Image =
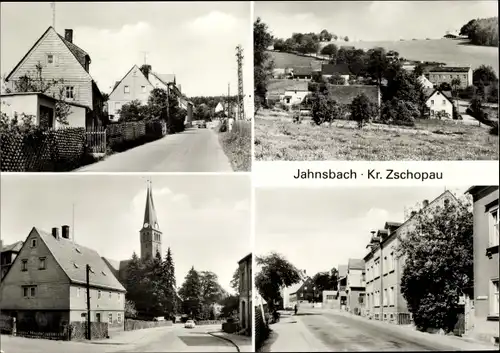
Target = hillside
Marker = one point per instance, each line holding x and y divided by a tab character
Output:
283	60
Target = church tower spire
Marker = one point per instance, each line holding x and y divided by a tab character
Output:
150	232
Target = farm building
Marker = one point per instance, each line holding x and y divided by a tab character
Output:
42	108
328	70
440	104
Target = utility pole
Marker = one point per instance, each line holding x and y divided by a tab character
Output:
53	5
88	270
228	101
241	105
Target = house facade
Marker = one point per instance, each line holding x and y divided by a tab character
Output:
303	293
486	264
8	255
342	286
42	108
60	59
384	268
245	293
424	81
439	105
292	97
330	299
45	287
445	74
355	286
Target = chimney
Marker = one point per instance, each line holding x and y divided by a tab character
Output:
425	203
65	232
68	35
55	233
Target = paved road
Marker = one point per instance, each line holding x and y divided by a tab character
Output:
194	150
162	339
316	330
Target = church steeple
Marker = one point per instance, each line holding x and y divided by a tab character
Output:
150	232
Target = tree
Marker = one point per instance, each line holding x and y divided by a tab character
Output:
346	38
362	110
157	107
325	36
279	44
438	264
135	283
211	290
484	76
482	31
154	291
191	294
263	64
230	305
330	50
235	280
176	115
145	69
377	63
337	79
324	108
405	87
324	281
130	311
169	285
399	112
276	272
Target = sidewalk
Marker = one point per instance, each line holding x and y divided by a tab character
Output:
244	343
291	335
128	337
453	342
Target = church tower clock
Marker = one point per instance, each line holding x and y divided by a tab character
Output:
150	232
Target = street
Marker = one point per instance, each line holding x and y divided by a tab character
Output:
316	330
174	338
194	150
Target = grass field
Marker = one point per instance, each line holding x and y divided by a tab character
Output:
448	51
237	145
277	138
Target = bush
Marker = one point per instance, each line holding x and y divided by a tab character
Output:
237	145
397	112
363	110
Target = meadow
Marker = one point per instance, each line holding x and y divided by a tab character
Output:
237	145
277	138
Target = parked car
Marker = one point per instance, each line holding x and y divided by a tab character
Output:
189	324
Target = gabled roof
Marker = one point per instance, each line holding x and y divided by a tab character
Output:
450	69
246	258
166	79
392	224
78	52
342	271
73	258
117	83
295	287
443	93
331	69
302	70
13	247
355	264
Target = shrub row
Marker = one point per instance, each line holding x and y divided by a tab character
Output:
127	135
131	324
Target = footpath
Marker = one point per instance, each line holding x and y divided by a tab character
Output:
438	340
291	335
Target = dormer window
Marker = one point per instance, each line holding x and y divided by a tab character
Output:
33	243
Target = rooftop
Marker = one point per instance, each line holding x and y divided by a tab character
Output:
450	69
356	264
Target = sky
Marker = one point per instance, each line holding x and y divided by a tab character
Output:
194	41
317	229
372	20
205	219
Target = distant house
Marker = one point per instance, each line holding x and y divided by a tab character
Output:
137	86
328	70
355	286
486	262
279	73
245	290
440	105
45	287
60	58
342	283
425	82
7	256
303	293
288	92
330	299
445	74
302	72
294	96
43	109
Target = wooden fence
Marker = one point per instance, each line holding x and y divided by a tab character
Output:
96	140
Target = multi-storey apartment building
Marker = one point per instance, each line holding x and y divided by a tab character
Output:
445	74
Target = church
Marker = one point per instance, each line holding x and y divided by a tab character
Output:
150	238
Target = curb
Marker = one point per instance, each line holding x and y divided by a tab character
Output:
225	339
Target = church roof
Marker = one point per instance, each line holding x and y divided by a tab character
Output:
150	212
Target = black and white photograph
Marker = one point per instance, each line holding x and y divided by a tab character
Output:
125	263
126	86
376	80
376	269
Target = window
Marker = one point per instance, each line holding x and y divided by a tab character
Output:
109	295
77	292
117	105
391	296
494	238
83	316
33	243
50	58
24	265
444	101
143	89
494	304
386	267
29	291
42	263
119	317
432	101
110	318
70	92
98	294
385	297
126	89
391	261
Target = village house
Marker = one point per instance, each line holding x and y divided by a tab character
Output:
245	293
342	70
355	286
342	286
8	255
302	72
445	74
286	292
45	287
440	105
486	264
330	299
424	81
42	108
384	269
302	293
60	59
